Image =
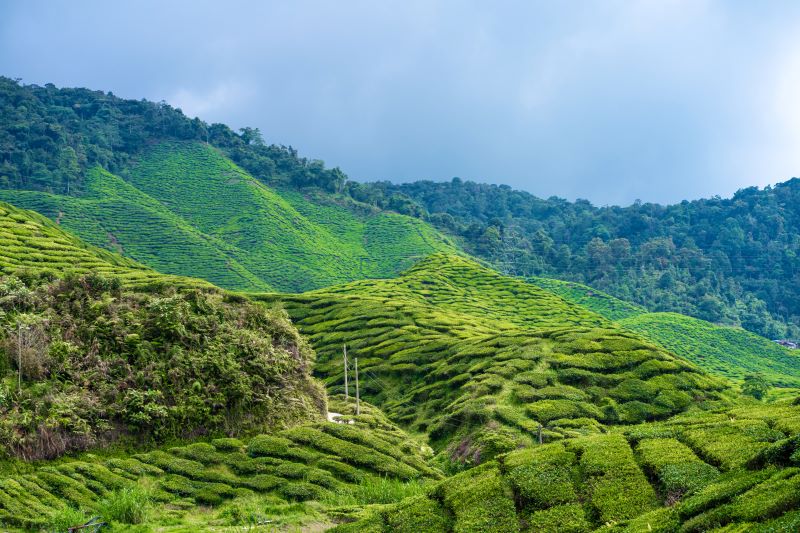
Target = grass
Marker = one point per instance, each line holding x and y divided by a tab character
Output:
185	209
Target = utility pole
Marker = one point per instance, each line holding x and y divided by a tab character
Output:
540	433
358	398
346	391
19	356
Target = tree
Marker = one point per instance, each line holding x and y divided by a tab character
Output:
755	385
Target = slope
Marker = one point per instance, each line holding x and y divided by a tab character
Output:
185	209
31	243
728	351
304	474
738	470
479	360
731	352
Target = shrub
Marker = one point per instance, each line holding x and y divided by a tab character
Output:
541	476
568	518
228	444
65	517
418	514
618	488
374	489
268	446
300	491
547	410
480	500
677	468
341	470
130	505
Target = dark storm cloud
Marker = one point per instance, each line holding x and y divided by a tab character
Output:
610	101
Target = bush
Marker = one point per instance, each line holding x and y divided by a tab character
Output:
418	514
228	444
66	517
677	468
130	505
568	518
618	488
542	476
268	446
480	500
300	491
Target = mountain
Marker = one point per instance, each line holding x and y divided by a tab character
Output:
486	402
726	261
185	209
728	351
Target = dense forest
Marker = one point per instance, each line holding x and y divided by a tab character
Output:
730	261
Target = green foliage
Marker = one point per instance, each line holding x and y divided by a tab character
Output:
568	518
480	500
66	517
727	261
542	476
184	208
456	350
755	385
731	352
154	365
677	468
149	486
129	505
617	487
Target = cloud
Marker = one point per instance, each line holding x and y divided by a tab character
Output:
213	103
609	100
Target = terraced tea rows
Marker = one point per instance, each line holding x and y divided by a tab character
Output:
31	242
672	476
731	352
185	209
206	483
727	351
479	360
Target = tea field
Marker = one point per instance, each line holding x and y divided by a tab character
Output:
185	209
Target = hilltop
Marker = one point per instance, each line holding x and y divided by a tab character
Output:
478	360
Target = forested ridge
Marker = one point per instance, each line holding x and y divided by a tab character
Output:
730	261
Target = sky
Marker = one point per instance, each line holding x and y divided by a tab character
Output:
610	101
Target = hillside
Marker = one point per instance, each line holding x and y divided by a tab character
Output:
185	209
693	473
598	301
478	360
32	244
304	476
727	261
724	260
727	351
